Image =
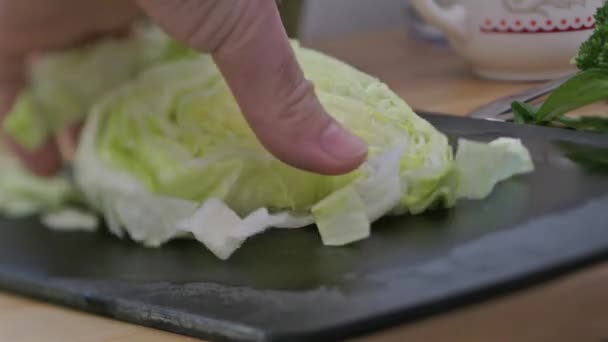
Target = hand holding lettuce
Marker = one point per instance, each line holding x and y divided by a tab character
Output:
247	42
167	153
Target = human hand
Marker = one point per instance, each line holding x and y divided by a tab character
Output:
249	45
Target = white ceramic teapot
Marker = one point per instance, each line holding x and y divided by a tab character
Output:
515	39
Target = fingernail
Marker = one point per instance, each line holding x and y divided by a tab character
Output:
341	144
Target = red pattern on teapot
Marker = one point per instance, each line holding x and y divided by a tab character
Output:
548	25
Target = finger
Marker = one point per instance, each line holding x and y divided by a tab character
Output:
44	161
252	50
67	141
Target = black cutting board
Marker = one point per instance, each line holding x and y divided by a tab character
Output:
285	286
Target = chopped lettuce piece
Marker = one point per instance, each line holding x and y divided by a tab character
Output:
220	229
481	166
71	219
341	218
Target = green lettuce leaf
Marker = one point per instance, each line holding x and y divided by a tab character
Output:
481	166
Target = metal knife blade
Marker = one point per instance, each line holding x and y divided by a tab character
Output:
500	110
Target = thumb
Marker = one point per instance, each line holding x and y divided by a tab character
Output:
252	51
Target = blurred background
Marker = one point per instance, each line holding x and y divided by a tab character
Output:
327	19
323	19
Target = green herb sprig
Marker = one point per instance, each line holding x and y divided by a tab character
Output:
589	85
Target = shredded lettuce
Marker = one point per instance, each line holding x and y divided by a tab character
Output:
71	219
166	153
482	166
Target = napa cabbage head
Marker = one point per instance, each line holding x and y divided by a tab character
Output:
170	154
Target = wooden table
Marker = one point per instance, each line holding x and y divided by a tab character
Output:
429	78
